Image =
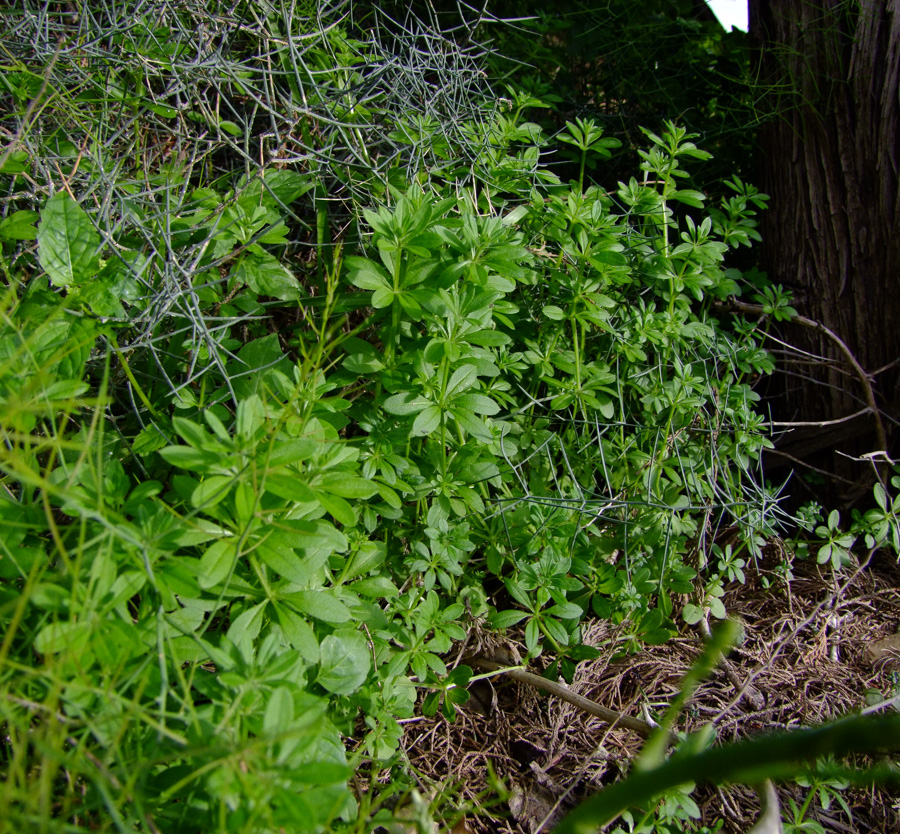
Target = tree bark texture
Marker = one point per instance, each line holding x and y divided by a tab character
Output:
830	71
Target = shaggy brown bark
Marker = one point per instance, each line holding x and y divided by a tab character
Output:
829	160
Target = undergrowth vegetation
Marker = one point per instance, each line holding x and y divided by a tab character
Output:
298	385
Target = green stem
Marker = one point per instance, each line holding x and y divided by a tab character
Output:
130	376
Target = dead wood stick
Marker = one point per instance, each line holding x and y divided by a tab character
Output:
560	691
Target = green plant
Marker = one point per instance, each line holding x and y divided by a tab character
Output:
275	431
825	790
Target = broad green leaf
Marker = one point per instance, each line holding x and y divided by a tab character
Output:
298	632
19	226
478	403
426	422
194	531
506	619
99	298
322	605
551	311
291	486
247	626
487	338
566	611
160	109
14	163
216	563
211	491
368	557
608	257
383	297
378	587
462	378
695	199
406	403
280	185
286	563
192	433
251	416
68	244
284	452
366	274
266	276
345	485
189	458
342	511
345	662
55	637
231	128
473	424
314	536
279	714
555	630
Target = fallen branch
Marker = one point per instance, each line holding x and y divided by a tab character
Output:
566	694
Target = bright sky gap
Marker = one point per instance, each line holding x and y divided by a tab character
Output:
731	13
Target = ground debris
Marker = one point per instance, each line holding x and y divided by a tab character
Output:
551	754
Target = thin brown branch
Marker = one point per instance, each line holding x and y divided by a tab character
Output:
566	694
818	423
809	466
864	378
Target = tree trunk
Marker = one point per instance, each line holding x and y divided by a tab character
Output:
829	159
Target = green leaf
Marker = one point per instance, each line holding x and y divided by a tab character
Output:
211	491
462	378
487	338
99	298
341	510
551	311
322	605
345	662
251	416
689	198
280	185
426	422
506	619
298	632
279	714
55	637
286	563
19	226
191	432
345	485
189	458
266	276
231	128
366	274
216	563
478	403
284	452
247	625
406	403
472	424
566	611
68	244
692	614
14	163
379	587
554	629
